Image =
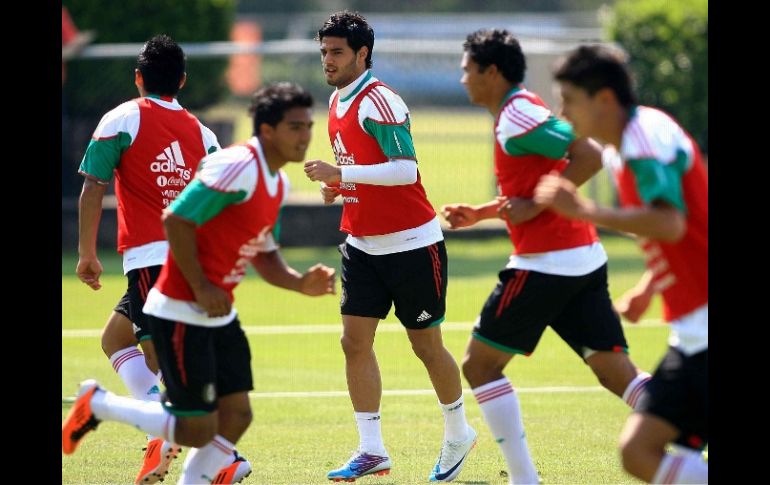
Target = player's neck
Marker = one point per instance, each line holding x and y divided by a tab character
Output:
497	96
273	159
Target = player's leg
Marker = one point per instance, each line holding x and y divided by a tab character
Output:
417	279
511	322
234	381
364	302
674	410
590	325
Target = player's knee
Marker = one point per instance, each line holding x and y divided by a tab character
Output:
196	432
477	374
237	419
426	351
353	347
629	455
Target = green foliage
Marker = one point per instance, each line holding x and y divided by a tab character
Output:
667	44
137	21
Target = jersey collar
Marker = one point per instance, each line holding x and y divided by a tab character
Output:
345	94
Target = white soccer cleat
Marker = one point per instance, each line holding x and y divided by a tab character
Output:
452	458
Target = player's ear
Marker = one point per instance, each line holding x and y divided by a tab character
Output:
183	80
605	96
362	53
138	79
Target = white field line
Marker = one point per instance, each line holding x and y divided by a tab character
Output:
399	392
332	328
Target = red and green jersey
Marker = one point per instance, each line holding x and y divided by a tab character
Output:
371	126
153	147
659	161
235	201
529	143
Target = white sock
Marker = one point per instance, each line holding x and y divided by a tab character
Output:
455	425
149	416
370	433
130	365
500	407
203	464
635	389
684	468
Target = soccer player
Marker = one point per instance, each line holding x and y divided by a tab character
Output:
152	146
557	273
663	191
221	222
394	252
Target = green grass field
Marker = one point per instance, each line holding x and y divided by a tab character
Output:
297	436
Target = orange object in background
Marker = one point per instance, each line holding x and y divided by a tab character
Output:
244	73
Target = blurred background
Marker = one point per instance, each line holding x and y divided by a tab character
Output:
235	46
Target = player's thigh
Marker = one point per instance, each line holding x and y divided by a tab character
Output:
417	279
363	293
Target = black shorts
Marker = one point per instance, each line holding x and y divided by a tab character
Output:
524	302
140	281
678	393
415	281
200	364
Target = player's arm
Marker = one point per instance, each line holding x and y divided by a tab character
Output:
89	268
660	220
552	138
465	215
317	280
635	301
194	206
100	160
389	125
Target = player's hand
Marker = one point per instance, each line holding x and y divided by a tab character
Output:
329	193
459	215
516	210
318	280
89	270
560	195
635	302
320	171
213	300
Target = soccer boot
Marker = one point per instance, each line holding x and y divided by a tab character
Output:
235	472
359	465
452	458
80	420
157	459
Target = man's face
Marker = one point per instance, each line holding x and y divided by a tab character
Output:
291	136
340	64
474	82
579	108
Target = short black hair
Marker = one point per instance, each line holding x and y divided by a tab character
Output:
353	27
499	47
269	103
593	67
161	62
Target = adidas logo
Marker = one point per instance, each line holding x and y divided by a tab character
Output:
170	160
341	153
423	316
339	147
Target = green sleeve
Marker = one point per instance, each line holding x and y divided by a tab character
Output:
394	140
660	181
550	139
199	203
103	156
277	226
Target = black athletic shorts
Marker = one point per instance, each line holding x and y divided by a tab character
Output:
200	364
415	281
140	281
524	302
678	393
